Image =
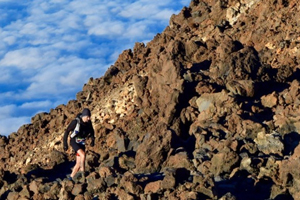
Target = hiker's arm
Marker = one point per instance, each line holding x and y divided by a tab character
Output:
69	128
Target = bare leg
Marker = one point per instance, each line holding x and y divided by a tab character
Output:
76	167
82	159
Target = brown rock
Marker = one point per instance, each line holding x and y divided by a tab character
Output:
37	197
291	95
25	192
179	160
123	195
129	183
189	195
79	197
53	192
208	191
169	180
105	172
220	80
228	196
65	190
77	189
34	187
288	173
3	141
126	162
270	100
153	187
223	162
241	87
95	184
13	196
152	151
54	158
209	105
269	143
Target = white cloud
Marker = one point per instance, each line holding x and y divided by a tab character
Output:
109	29
7	110
10	125
5	98
10	40
6	75
9	1
36	104
157	9
26	58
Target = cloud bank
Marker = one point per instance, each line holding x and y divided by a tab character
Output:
49	49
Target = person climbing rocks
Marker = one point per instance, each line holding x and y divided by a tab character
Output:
81	128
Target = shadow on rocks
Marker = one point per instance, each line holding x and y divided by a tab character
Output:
245	188
147	178
57	172
291	141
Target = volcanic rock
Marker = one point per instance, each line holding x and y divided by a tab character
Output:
208	109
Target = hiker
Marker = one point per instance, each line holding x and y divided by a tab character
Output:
81	128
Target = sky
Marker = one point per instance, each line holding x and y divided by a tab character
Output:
49	49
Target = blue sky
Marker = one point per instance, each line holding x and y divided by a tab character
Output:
49	49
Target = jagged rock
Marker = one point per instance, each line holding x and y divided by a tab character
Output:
126	162
246	164
153	187
169	180
130	185
120	140
152	151
54	158
53	191
228	196
25	192
241	87
95	183
270	170
3	141
293	93
38	117
37	196
117	140
104	172
13	196
79	197
34	187
78	189
92	160
64	194
223	162
189	195
269	100
215	97
209	105
269	143
112	180
179	160
288	175
123	194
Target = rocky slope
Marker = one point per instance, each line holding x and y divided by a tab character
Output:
209	109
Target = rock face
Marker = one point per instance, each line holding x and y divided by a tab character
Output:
209	109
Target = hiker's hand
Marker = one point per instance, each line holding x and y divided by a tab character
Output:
65	147
92	143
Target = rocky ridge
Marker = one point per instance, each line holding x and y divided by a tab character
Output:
209	109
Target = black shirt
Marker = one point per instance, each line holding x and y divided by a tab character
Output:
86	130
